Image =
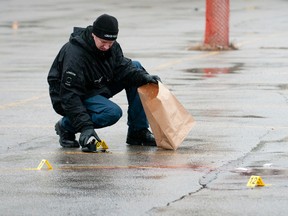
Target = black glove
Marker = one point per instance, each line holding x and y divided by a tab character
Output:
86	135
151	79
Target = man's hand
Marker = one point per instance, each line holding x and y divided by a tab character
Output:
86	135
151	79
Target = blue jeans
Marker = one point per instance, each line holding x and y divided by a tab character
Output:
104	112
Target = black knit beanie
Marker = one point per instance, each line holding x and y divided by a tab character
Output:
106	27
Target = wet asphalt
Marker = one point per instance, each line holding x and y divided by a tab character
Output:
238	99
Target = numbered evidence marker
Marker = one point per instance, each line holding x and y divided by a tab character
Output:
255	181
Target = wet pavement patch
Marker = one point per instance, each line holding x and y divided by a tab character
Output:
247	116
212	72
283	86
261	171
284	48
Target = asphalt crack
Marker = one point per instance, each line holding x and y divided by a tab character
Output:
208	178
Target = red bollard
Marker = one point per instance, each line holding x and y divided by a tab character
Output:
217	23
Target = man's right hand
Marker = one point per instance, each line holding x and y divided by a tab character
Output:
86	135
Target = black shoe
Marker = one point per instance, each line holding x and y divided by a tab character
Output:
142	137
67	139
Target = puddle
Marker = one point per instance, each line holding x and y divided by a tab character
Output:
247	116
261	171
213	72
16	24
281	48
283	86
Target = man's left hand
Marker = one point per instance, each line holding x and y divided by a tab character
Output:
152	79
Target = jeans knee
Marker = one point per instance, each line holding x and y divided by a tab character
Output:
115	114
108	117
137	64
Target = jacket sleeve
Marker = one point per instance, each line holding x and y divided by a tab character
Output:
54	79
72	92
126	72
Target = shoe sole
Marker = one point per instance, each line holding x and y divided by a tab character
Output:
139	142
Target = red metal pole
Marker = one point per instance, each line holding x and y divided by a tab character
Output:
217	23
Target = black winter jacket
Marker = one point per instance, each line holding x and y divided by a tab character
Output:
80	70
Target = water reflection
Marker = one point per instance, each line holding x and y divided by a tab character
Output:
213	72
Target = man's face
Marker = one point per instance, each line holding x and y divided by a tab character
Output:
102	44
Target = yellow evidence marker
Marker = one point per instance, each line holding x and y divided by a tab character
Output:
41	164
102	144
255	181
95	146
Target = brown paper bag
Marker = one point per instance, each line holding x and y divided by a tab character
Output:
169	120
